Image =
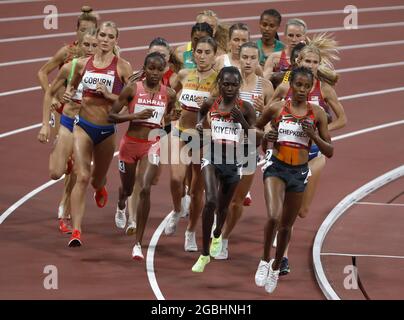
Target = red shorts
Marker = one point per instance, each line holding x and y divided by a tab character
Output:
132	149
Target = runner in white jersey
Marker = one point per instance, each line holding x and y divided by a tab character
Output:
257	91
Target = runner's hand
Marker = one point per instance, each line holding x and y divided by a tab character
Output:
44	133
142	115
271	136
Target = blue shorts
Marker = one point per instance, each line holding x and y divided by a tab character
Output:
67	122
314	152
95	132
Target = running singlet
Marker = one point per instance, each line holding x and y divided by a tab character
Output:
249	96
283	64
108	76
188	57
262	57
290	132
193	89
224	128
314	97
142	101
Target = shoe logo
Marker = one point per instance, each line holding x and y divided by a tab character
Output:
143	94
303	173
105	132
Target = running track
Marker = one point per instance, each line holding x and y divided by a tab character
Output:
102	268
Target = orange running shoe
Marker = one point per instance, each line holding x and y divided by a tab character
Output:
64	227
101	197
75	239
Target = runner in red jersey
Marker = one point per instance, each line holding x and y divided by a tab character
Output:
295	123
103	77
295	32
149	102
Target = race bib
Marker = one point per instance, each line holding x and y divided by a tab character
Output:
158	113
188	97
90	80
292	132
222	130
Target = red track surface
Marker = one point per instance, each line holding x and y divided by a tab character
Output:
102	268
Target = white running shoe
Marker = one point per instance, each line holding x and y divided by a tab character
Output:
120	217
131	228
137	252
185	203
224	254
272	279
275	243
190	242
172	222
262	273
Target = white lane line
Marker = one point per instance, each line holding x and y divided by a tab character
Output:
18	91
10	133
150	252
360	255
209	4
340	209
355	96
21	1
380	204
24	199
190	23
168	7
366	130
371	67
150	259
256	36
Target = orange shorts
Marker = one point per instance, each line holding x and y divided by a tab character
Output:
132	149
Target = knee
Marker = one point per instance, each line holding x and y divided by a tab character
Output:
211	203
83	178
273	220
145	192
55	175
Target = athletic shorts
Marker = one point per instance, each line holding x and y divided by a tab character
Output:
67	122
96	133
295	177
228	173
133	149
314	152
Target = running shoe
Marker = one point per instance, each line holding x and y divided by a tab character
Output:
75	239
185	202
224	254
137	252
215	246
272	279
101	197
64	227
284	269
200	265
247	200
120	217
172	222
262	273
190	242
131	228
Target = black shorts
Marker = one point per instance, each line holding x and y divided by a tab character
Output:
227	173
295	177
